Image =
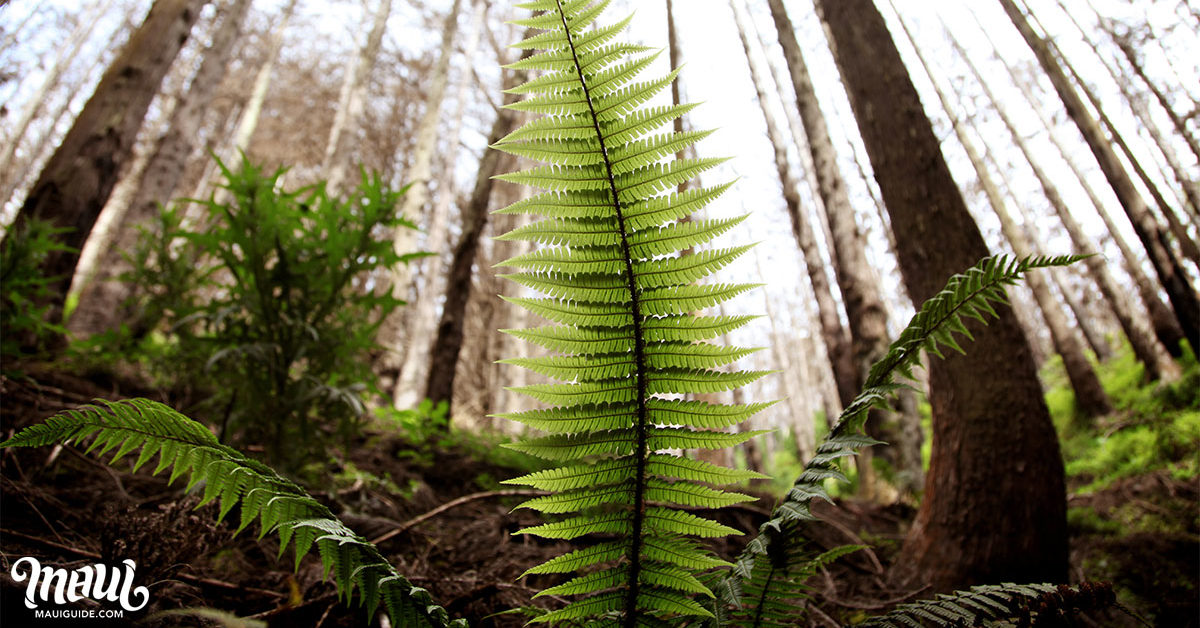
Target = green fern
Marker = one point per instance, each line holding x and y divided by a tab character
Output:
627	346
761	566
188	448
1028	604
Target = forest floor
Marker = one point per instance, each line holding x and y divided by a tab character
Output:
450	530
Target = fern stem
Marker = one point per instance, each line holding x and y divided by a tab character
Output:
639	350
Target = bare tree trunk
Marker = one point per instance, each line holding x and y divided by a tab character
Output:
837	341
76	181
1131	56
262	82
1153	356
858	282
1170	272
67	53
352	102
415	200
102	294
422	320
978	522
1162	319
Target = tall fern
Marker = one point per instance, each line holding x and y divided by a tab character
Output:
627	348
188	448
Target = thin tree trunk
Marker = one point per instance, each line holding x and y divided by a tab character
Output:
978	521
1089	394
67	54
352	103
414	202
1162	319
1186	244
262	82
448	342
1171	274
423	319
801	423
1131	56
77	180
837	341
1157	362
102	294
858	282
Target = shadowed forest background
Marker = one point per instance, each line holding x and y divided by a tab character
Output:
280	219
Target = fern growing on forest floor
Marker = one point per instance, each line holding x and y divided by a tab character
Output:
628	346
189	448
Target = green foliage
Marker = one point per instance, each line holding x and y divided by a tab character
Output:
24	329
1028	604
968	295
270	296
1156	425
281	507
620	289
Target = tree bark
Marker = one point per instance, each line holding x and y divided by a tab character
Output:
77	180
1170	272
415	200
979	521
447	344
837	341
352	102
1151	354
858	282
102	294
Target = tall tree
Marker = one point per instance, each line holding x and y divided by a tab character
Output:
978	520
1162	319
837	340
1170	271
79	36
1090	397
413	206
353	101
77	180
857	280
101	294
1153	356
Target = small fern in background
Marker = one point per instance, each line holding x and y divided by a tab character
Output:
627	346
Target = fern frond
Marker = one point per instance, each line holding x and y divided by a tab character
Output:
1026	604
971	294
618	276
189	449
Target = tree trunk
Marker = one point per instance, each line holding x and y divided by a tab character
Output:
76	181
102	294
262	81
1157	362
423	318
67	53
980	520
858	282
352	102
837	341
1162	319
415	200
447	344
1089	394
1180	125
1170	272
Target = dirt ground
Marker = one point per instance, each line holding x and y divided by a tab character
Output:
68	510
